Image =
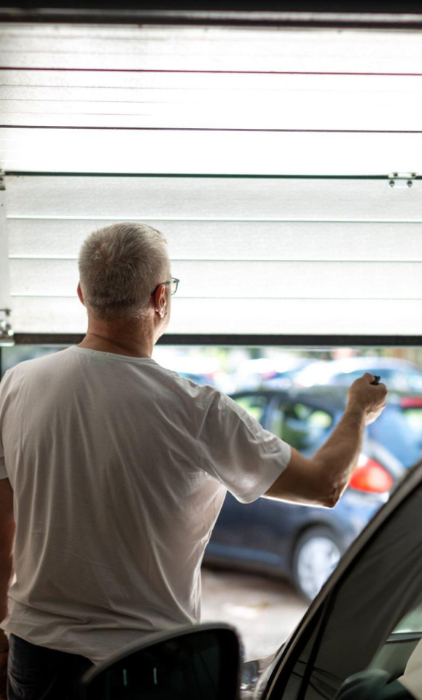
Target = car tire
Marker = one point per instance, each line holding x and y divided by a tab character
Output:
316	554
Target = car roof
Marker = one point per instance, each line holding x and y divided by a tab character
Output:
336	396
324	369
332	395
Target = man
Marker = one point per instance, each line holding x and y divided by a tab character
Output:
118	468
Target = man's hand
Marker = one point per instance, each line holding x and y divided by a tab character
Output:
322	479
367	398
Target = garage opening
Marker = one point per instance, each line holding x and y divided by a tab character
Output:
283	167
267	560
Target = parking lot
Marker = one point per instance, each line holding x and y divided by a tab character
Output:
264	610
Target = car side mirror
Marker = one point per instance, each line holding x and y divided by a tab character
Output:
199	662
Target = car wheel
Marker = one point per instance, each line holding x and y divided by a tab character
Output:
316	555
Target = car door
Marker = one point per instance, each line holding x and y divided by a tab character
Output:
265	530
305	425
302	422
234	532
263	533
368	615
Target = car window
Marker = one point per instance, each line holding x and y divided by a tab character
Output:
346	378
411	622
404	381
413	418
254	404
380	596
303	426
396	380
387	375
415	381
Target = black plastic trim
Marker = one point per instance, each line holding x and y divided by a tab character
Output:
273	14
299	341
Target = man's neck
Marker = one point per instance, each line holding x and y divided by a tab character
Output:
132	340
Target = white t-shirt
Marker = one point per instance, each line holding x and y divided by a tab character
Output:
119	469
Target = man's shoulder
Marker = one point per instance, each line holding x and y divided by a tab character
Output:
33	365
188	386
202	398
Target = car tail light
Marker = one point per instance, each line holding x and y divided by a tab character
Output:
370	476
411	402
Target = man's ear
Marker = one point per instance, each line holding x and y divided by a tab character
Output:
160	301
80	294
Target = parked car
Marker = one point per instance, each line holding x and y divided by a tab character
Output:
354	641
399	375
301	542
276	373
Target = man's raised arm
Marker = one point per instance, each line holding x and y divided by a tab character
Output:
322	479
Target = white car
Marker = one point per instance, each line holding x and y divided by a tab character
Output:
400	375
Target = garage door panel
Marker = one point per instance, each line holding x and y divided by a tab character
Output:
288	317
203	61
197	88
5	302
246	279
240	256
170	117
209	48
209	152
260	199
336	104
90	85
298	316
231	240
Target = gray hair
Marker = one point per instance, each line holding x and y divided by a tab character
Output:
119	267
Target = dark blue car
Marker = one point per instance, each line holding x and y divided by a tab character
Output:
301	542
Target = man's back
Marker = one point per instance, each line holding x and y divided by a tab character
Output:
111	460
115	470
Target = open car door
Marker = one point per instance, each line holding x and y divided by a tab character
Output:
367	618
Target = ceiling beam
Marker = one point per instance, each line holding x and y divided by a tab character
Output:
274	14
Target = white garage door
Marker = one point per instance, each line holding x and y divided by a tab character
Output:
263	155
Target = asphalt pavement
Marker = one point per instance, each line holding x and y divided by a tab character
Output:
264	610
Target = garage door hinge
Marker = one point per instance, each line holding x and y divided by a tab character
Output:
401	179
7	336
